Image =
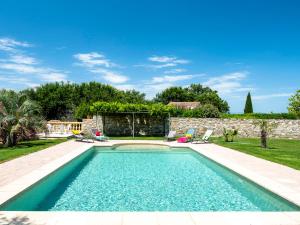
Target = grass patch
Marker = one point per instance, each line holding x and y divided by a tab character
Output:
282	151
136	138
26	147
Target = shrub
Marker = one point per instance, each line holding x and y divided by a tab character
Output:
229	134
205	111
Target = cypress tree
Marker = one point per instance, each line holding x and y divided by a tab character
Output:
248	106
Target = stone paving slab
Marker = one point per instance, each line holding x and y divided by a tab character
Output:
20	173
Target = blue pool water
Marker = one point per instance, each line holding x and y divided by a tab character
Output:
146	178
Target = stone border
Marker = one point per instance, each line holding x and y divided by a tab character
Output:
281	180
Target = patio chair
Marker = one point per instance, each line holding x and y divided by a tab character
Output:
82	137
99	137
205	138
188	136
171	136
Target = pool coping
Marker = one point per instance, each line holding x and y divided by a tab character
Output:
281	180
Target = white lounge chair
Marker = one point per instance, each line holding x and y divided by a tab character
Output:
171	136
205	137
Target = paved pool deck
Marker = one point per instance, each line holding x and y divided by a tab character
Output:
19	174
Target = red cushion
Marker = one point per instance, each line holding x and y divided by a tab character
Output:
98	133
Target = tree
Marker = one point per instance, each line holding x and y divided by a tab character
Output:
195	92
248	105
60	100
19	117
173	94
265	128
294	105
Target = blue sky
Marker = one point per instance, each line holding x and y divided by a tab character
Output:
232	46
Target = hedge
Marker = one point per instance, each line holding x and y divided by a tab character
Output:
262	116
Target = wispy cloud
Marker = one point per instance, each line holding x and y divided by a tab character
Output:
18	61
174	71
269	96
93	59
174	78
228	83
18	80
11	45
164	62
22	59
98	64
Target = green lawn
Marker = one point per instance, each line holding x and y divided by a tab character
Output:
283	151
136	138
26	147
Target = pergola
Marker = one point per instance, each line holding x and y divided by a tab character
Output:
133	117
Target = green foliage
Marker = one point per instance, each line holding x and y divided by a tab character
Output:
294	105
261	116
195	92
205	111
19	118
60	100
248	105
229	134
83	111
157	109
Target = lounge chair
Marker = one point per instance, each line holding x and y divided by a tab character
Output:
188	136
205	137
82	137
99	138
171	136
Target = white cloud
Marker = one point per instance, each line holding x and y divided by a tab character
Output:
173	71
172	79
277	95
21	68
11	45
110	76
20	63
47	74
53	77
99	64
22	59
167	59
93	59
18	80
164	62
126	87
228	83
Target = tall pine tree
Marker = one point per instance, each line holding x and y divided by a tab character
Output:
248	106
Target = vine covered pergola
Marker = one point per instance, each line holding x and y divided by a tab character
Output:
113	108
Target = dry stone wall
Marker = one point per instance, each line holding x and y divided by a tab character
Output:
246	127
122	126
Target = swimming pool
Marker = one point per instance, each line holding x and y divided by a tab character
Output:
145	178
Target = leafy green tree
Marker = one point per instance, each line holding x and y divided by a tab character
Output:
248	105
60	100
294	105
195	92
173	94
19	117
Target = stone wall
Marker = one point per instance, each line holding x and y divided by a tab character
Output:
246	128
88	124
